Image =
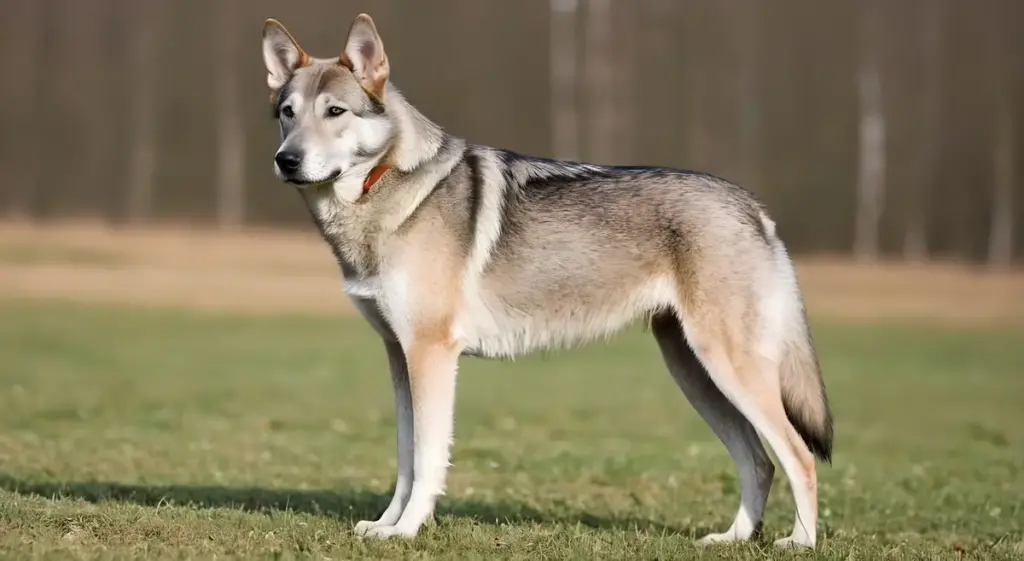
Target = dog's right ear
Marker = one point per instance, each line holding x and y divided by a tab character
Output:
281	53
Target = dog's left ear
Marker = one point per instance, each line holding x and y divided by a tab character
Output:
364	55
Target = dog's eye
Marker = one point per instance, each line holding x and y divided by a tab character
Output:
335	111
287	111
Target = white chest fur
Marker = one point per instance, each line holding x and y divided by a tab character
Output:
387	297
389	293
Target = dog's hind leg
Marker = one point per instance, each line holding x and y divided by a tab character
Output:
729	425
750	381
403	417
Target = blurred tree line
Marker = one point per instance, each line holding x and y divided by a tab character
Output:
869	127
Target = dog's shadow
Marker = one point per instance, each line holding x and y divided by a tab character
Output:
350	504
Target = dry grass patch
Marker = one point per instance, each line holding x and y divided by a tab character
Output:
259	271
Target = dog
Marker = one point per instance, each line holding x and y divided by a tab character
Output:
452	249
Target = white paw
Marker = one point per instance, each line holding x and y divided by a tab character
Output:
724	537
793	542
364	526
385	532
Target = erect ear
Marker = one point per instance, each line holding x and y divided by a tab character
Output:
281	54
364	55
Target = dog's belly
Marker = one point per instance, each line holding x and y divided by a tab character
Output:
493	327
507	324
515	336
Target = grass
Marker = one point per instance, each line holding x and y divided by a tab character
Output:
132	433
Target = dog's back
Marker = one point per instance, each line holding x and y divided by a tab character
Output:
578	250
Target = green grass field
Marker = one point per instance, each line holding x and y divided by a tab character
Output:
130	433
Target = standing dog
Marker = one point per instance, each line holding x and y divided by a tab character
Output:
449	248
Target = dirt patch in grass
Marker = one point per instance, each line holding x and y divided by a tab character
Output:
248	271
259	271
941	292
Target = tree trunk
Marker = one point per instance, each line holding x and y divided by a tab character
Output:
23	29
625	45
698	86
230	128
565	134
599	75
749	114
1001	76
928	97
143	104
1000	242
871	169
93	22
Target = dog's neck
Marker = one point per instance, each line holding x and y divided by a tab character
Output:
417	138
415	141
420	155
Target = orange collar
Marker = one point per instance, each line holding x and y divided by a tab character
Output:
374	176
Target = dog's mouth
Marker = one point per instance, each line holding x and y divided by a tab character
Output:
303	182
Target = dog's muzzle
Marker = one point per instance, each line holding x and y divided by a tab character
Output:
288	162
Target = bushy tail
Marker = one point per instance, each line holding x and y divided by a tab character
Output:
803	394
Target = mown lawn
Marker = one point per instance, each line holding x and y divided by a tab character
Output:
131	433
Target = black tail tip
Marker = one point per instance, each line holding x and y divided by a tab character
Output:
820	447
817	436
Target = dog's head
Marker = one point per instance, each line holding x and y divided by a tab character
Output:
331	110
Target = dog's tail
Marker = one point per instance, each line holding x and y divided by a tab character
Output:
803	390
803	394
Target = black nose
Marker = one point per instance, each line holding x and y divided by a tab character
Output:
289	162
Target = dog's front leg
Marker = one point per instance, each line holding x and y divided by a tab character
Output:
403	420
432	368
